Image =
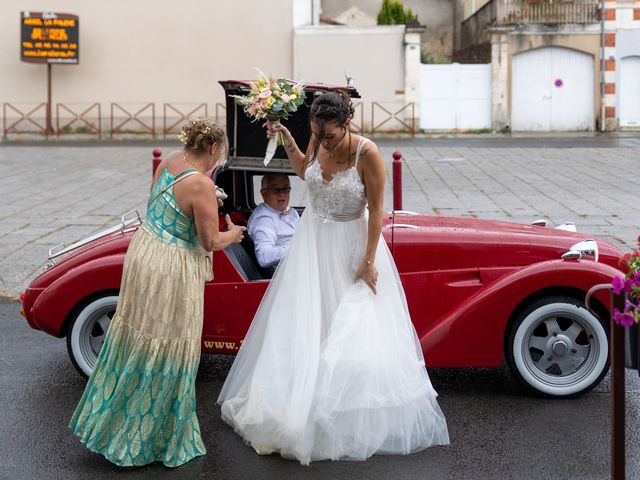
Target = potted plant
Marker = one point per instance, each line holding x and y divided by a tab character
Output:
629	316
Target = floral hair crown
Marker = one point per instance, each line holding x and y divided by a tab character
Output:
184	137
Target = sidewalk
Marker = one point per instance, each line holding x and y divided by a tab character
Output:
59	192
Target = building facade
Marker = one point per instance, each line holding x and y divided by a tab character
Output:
557	65
149	63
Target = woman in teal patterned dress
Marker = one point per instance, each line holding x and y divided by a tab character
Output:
139	405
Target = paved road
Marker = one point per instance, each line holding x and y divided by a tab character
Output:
497	430
55	193
58	193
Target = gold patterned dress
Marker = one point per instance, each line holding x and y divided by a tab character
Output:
139	405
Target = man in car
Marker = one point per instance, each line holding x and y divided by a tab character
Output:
273	222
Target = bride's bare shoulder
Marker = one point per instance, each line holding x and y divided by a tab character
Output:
369	151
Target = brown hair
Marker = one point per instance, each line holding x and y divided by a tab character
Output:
334	107
198	135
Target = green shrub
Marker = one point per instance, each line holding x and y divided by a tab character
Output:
426	57
393	12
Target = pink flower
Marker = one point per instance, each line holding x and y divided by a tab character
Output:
618	285
285	98
628	285
253	109
624	260
265	94
623	319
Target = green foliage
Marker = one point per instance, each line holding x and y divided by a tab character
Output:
393	12
426	57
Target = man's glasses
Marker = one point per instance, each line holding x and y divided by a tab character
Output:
279	190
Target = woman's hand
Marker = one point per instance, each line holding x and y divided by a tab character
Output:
237	232
297	158
368	273
274	128
221	196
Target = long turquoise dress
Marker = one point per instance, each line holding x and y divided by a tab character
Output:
139	405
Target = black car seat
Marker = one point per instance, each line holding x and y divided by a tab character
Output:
243	262
250	247
243	257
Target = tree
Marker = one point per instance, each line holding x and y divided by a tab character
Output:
393	12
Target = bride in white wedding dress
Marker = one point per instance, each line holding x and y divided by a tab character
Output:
331	367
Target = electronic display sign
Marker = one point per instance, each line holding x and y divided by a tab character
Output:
48	37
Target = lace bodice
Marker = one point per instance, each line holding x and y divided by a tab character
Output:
343	198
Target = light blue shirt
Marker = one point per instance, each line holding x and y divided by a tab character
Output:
271	231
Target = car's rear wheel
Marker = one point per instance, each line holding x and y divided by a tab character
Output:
87	332
557	348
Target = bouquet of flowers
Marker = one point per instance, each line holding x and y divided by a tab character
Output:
629	284
272	100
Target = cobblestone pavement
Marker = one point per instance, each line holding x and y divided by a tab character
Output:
59	194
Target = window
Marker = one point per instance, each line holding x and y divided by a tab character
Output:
298	197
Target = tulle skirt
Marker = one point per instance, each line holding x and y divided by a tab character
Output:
328	370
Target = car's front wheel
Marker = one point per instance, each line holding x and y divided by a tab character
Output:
557	348
87	332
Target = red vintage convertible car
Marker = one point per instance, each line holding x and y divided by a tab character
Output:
479	291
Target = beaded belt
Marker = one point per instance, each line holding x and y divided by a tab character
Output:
338	217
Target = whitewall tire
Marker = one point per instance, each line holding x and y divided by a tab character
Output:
557	348
87	332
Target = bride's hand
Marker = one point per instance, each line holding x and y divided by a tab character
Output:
368	274
273	128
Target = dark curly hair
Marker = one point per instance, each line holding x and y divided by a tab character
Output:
335	107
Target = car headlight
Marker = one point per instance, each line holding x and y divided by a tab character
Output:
585	247
567	226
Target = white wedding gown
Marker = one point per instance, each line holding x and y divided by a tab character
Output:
328	370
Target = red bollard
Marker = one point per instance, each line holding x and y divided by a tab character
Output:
157	158
397	180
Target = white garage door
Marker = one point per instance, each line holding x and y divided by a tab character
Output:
552	89
630	92
455	97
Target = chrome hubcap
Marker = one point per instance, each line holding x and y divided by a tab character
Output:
559	346
93	334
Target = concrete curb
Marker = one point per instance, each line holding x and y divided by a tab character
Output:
6	297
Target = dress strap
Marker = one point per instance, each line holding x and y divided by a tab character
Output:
186	170
179	177
361	142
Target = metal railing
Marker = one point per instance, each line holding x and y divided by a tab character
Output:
17	118
143	119
221	114
623	352
403	118
139	118
548	11
357	122
174	115
75	119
